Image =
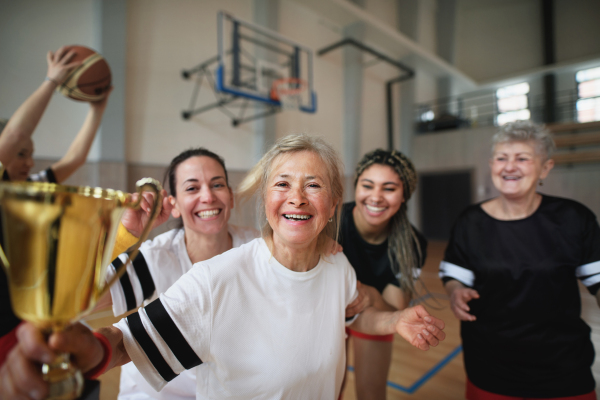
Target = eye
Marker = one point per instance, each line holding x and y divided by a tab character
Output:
218	185
389	189
281	184
313	185
190	188
369	187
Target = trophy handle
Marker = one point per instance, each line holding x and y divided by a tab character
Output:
143	185
3	258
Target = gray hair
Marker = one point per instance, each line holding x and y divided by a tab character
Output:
525	131
256	180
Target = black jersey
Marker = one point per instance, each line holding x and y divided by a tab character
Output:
528	339
371	261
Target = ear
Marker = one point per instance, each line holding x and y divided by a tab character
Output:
174	212
332	212
546	168
232	202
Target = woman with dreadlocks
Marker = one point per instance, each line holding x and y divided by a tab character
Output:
386	253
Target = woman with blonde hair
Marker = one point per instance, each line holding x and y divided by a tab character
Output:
266	320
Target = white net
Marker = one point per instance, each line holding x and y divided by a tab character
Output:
289	92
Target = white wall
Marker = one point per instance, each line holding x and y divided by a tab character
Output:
28	30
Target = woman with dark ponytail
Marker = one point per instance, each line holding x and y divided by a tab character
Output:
386	252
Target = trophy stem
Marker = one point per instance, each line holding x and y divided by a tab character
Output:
65	381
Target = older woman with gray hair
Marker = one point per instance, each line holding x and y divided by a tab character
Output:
511	271
265	320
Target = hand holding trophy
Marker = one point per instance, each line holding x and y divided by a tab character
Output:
58	242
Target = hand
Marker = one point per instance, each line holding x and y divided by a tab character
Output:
333	247
135	220
419	328
100	105
59	65
362	301
21	374
459	298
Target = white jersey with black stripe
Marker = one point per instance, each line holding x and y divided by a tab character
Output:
258	329
162	261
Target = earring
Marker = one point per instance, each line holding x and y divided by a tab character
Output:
541	183
330	219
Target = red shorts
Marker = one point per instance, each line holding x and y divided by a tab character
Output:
474	393
378	338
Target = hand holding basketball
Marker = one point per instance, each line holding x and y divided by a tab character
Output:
60	63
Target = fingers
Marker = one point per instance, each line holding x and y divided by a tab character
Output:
77	340
24	377
463	315
33	344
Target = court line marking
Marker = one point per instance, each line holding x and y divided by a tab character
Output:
428	375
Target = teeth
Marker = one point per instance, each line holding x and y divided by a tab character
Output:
297	216
208	213
512	178
375	209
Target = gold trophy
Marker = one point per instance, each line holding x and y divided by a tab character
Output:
58	243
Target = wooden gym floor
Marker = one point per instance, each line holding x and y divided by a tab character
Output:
435	374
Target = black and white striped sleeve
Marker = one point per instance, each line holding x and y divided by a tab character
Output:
134	286
456	261
589	270
171	333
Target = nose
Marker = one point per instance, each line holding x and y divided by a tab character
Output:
376	196
296	197
206	195
510	165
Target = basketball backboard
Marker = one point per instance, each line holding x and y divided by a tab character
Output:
253	60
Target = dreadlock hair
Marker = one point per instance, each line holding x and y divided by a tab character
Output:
404	250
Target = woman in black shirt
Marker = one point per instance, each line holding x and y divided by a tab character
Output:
511	270
385	251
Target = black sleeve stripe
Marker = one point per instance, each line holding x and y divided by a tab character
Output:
143	274
50	175
144	340
126	285
171	335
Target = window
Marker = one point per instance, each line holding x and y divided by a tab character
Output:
512	103
588	93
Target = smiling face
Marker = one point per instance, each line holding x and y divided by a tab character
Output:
20	167
203	199
298	200
517	168
379	194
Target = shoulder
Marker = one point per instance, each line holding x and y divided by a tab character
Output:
245	254
241	235
164	242
567	207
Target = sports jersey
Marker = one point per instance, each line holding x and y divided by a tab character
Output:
528	339
371	261
159	264
256	329
46	175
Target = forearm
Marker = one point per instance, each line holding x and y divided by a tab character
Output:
452	285
80	147
23	122
115	338
375	322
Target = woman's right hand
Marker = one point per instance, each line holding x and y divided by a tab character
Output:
21	374
59	64
135	220
459	297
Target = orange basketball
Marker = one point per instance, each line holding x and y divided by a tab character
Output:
91	80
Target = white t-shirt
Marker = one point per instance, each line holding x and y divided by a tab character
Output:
160	263
260	330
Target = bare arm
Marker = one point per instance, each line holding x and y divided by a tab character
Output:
23	122
414	324
80	147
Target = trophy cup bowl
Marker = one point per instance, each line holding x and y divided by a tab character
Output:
58	243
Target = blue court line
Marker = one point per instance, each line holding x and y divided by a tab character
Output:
428	375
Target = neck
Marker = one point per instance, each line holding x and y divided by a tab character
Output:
373	234
202	247
301	258
519	208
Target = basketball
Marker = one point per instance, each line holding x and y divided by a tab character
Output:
91	80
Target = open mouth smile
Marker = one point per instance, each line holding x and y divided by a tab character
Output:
375	209
297	217
208	213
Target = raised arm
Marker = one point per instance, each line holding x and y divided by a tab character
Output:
23	122
80	147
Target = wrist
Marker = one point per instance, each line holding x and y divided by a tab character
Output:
99	369
52	80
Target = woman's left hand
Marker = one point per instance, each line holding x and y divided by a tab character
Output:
362	301
135	220
419	328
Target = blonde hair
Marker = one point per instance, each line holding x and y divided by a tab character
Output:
256	180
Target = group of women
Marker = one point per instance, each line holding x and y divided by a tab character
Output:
230	312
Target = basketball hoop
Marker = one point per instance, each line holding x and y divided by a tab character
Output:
289	92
